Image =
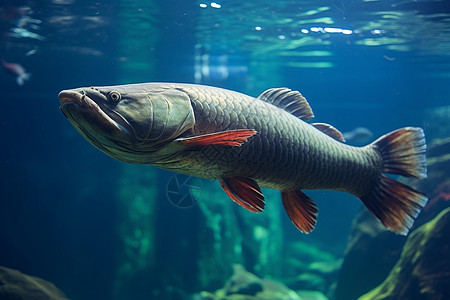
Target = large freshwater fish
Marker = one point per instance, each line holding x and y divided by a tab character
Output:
247	142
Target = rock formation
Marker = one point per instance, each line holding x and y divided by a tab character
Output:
423	271
15	285
247	286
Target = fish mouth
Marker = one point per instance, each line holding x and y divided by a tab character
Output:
76	103
101	126
68	96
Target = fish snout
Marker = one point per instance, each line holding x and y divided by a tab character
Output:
67	96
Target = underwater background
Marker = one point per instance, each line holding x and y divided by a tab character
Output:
98	228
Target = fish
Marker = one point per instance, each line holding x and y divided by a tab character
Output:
17	70
358	136
247	143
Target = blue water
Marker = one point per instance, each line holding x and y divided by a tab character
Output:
375	64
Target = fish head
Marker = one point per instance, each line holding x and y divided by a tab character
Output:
127	122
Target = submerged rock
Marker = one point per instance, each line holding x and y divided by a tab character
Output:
423	271
244	285
371	252
309	267
312	295
15	285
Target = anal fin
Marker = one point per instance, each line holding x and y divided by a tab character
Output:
245	192
225	138
301	209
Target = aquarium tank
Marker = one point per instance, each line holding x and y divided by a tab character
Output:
78	224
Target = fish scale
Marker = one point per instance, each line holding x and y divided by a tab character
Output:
285	127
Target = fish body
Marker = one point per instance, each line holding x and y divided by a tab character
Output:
287	153
246	142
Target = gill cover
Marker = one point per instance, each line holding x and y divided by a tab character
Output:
158	116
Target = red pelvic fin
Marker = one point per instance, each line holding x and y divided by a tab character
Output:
301	210
245	192
225	138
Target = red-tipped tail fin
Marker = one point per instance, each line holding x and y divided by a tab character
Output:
403	152
395	204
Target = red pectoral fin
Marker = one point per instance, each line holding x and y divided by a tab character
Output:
245	192
225	138
301	210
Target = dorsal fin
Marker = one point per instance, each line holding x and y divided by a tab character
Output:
291	101
329	130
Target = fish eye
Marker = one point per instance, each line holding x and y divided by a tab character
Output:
114	96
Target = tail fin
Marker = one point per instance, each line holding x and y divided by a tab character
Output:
395	204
